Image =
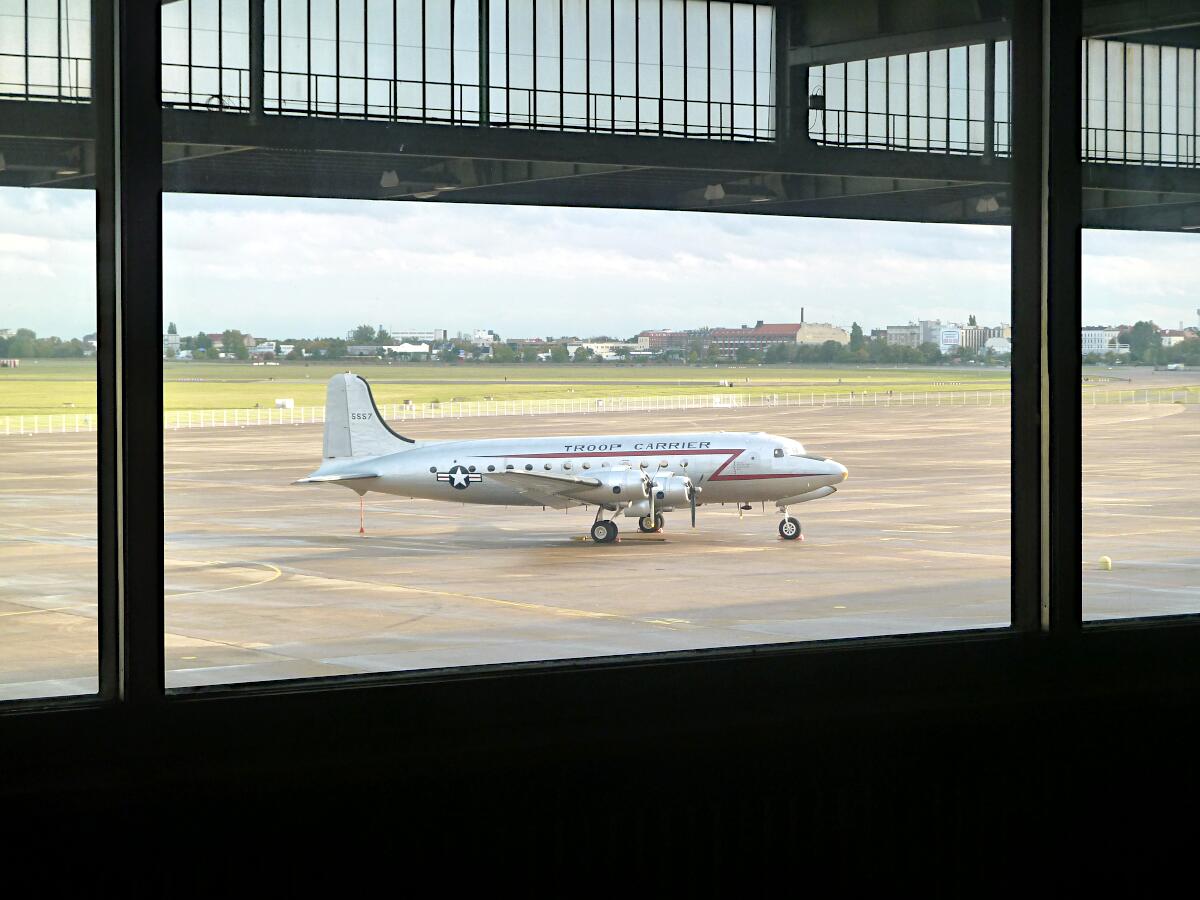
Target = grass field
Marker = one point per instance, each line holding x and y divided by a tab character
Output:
47	386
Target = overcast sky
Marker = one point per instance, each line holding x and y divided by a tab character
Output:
298	268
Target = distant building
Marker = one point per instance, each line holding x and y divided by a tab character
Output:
411	335
603	349
1171	337
1102	339
385	349
914	334
170	345
763	336
998	345
6	333
820	333
483	338
664	339
218	341
950	339
973	337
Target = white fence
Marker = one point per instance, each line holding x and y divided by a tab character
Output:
305	415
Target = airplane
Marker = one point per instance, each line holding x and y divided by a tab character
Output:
640	476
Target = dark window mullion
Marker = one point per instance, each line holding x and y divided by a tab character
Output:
1046	226
128	103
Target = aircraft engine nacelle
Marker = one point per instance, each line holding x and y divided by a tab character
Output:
638	509
618	486
672	491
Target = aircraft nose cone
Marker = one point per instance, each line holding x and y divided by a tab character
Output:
838	470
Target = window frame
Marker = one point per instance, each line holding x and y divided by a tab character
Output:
1046	408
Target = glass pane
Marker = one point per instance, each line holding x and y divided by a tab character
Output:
48	557
412	393
1141	318
1141	399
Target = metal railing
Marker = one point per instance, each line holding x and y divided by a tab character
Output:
1141	102
175	420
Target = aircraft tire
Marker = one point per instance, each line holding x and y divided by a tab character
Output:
789	528
604	532
647	526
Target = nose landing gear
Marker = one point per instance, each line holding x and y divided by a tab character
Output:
789	528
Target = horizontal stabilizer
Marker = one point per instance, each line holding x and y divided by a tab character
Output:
323	479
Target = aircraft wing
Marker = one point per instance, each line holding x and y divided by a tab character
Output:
546	488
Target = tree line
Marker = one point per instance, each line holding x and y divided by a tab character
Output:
1146	348
25	344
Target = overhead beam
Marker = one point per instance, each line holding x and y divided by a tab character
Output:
899	43
464	142
1122	20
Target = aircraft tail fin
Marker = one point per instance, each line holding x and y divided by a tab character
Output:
353	424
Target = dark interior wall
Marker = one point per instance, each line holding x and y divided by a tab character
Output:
956	757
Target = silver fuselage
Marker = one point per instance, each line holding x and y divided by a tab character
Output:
728	466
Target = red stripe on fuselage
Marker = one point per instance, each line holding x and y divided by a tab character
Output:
715	476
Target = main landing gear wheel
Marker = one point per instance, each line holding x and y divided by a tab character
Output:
604	532
646	525
789	528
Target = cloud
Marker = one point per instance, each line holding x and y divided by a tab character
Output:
523	270
47	261
287	267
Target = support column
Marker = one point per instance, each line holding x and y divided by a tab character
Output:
989	100
783	74
128	105
258	58
1046	426
485	64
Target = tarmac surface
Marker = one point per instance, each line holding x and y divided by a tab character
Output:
267	580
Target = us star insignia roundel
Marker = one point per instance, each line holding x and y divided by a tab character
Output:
459	477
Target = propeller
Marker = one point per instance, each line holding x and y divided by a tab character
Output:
693	490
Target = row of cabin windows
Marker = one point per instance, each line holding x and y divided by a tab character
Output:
662	464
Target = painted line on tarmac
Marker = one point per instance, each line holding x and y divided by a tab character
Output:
275	573
513	604
48	609
50	531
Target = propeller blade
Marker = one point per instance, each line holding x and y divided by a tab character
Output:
693	493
